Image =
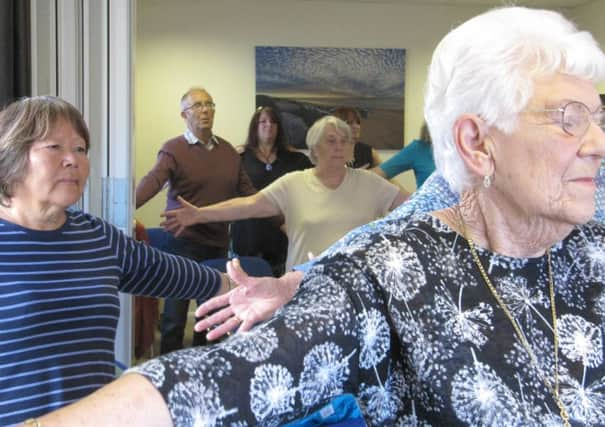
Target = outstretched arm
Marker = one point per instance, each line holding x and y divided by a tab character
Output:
152	183
255	206
133	402
402	196
376	160
254	300
378	171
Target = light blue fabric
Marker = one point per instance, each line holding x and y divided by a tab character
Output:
342	411
417	155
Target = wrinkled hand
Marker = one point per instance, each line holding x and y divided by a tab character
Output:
254	300
176	220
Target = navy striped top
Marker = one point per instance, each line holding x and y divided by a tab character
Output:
59	307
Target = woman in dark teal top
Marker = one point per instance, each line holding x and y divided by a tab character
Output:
417	155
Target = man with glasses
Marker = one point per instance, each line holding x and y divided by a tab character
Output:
203	169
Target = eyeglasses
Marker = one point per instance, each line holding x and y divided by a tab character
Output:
575	117
199	106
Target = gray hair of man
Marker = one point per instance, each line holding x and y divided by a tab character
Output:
316	133
488	65
185	96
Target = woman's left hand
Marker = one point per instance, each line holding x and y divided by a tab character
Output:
176	220
254	300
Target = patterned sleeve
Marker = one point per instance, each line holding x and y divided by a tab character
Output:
148	271
329	340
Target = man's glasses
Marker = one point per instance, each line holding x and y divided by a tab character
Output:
199	106
575	118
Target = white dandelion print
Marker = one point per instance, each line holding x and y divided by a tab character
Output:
394	319
585	404
202	405
521	299
398	268
382	402
191	361
594	263
271	391
580	340
321	307
480	397
325	370
154	371
468	325
254	346
374	337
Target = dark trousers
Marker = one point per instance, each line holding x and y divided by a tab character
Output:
174	317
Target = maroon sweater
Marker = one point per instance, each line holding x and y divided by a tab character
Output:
200	176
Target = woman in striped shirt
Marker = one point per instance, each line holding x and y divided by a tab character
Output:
61	270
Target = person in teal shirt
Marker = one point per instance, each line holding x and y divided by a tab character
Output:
417	155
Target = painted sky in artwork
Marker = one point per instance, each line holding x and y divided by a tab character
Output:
365	78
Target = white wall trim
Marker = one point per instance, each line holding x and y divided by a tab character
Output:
82	52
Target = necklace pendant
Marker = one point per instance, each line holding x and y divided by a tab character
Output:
268	167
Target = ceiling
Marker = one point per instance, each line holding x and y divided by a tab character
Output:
534	3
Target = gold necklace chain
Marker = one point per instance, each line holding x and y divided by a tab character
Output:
553	390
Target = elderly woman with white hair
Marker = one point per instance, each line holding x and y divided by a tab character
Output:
489	312
320	204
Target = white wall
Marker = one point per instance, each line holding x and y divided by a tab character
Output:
183	43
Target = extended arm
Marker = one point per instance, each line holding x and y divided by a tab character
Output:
148	271
400	162
378	171
256	298
133	402
255	206
376	160
402	196
154	181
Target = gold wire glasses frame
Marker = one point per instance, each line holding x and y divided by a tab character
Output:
199	106
575	117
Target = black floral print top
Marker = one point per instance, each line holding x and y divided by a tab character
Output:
401	318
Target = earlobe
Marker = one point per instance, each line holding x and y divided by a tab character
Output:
473	144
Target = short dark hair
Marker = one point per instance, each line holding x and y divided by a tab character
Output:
24	122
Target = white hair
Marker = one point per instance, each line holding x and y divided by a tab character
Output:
488	65
191	90
318	129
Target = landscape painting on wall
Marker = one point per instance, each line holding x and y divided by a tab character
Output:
304	84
